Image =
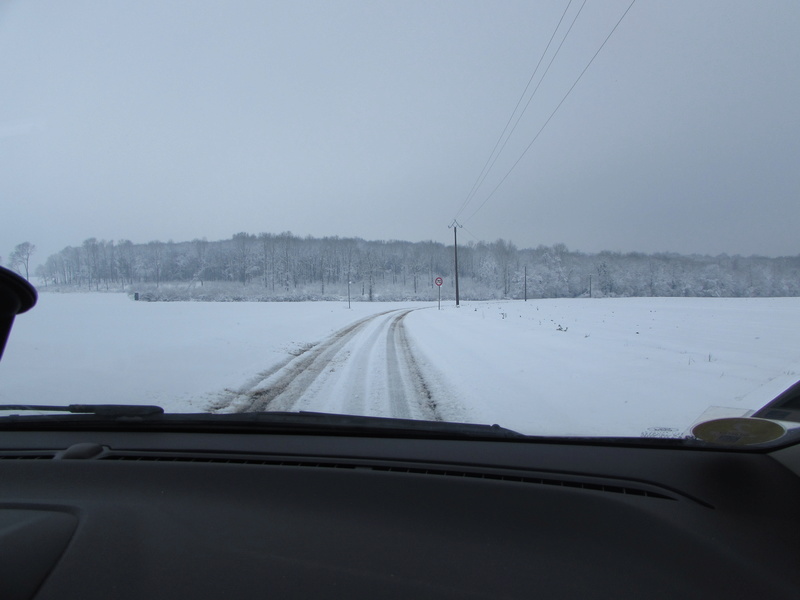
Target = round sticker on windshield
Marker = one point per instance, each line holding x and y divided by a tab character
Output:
739	431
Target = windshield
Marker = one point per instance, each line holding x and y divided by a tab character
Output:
565	218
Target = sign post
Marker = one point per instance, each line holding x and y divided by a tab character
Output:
439	281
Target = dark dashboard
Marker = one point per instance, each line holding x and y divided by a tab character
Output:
123	514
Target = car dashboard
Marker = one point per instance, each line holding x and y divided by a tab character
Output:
137	514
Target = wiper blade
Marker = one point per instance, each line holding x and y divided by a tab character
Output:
103	410
340	424
153	418
393	424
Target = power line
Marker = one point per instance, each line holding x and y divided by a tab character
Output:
555	54
538	133
472	235
484	170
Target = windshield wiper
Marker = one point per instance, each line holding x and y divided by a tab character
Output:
387	425
104	410
153	418
339	424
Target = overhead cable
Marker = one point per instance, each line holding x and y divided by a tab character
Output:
538	133
552	58
484	170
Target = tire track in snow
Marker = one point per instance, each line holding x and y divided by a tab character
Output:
261	391
355	385
365	368
408	392
421	388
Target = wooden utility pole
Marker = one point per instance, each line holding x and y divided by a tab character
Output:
526	283
455	227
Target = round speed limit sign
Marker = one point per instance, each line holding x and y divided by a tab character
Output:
439	281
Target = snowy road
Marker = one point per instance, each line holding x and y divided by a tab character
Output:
365	368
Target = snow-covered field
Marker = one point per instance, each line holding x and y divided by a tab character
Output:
577	367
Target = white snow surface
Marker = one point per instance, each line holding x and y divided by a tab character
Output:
599	367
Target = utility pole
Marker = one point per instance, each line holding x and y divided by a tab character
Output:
526	283
455	227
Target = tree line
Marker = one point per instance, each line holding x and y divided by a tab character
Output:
284	266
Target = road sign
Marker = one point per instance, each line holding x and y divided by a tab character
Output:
439	281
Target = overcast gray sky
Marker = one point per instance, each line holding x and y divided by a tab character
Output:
175	120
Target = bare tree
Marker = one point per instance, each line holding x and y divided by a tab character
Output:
243	256
201	252
126	260
92	255
155	259
21	257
